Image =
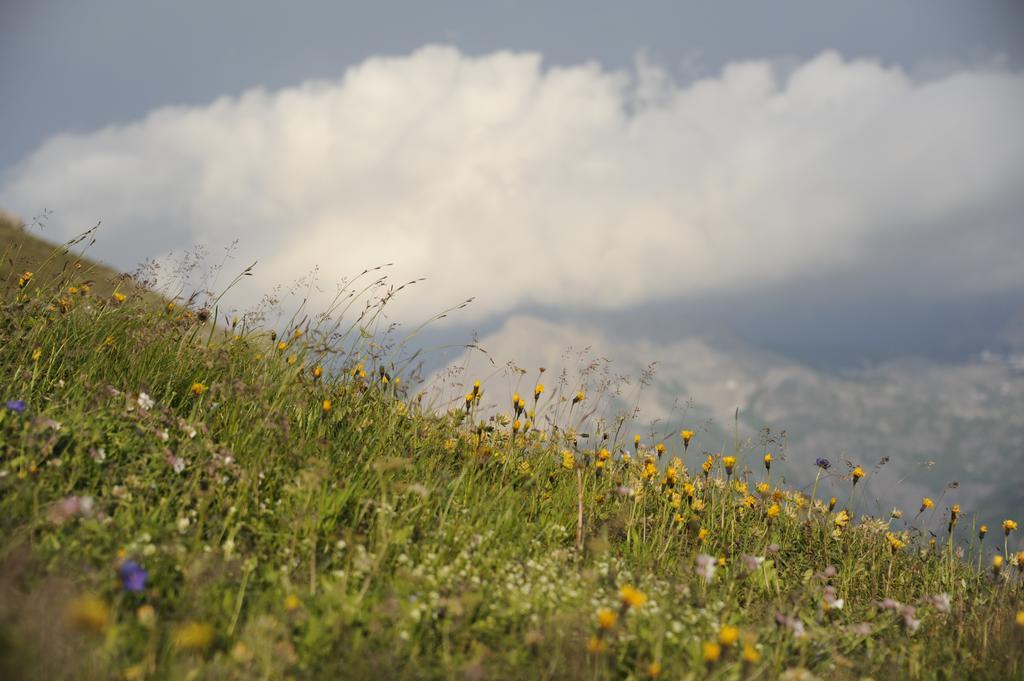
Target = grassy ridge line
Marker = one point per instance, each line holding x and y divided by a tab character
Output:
279	523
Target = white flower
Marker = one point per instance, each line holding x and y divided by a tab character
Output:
183	524
163	435
145	401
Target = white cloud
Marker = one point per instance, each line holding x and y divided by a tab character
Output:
498	178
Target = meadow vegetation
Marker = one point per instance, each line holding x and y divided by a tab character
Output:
185	499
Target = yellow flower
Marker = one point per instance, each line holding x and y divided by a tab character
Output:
982	531
291	359
831	504
895	543
568	460
708	463
318	371
88	613
1009	526
750	654
721	561
282	345
580	396
1020	619
119	297
687	435
712	651
24	279
298	333
926	503
697	505
198	388
763	488
326	406
73	290
146	616
36	354
768	461
606	618
193	636
842	518
516	425
773	511
728	635
654	670
292	603
997	563
702	534
596	644
729	462
857	474
632	597
538	391
659	448
1018	558
750	501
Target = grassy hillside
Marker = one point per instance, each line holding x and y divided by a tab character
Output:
179	506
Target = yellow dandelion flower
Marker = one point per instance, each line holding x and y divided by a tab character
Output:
1020	619
712	651
773	511
926	503
857	473
697	505
292	603
297	333
291	359
326	406
36	354
568	460
702	534
842	518
606	618
1009	526
997	563
982	531
721	561
831	504
895	543
198	388
729	462
193	636
708	463
538	390
636	441
763	488
119	297
728	635
516	425
687	435
580	396
660	448
73	290
25	278
632	597
750	501
318	371
768	461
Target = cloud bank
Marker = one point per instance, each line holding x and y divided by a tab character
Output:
574	187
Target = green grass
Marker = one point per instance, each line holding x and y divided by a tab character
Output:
385	538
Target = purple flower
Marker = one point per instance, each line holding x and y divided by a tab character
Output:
17	406
823	463
133	576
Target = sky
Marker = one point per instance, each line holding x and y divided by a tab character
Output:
834	180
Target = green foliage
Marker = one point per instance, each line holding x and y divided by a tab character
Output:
381	537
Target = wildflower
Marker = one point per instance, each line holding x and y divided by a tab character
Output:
705	568
654	670
133	576
297	333
707	465
702	534
773	511
1009	526
198	388
750	501
73	290
606	618
25	278
940	602
697	505
88	613
17	406
997	564
729	462
580	396
830	600
910	622
636	442
326	406
842	518
750	654
1020	619
568	460
660	448
763	488
193	636
538	390
982	531
729	635
712	651
687	435
36	354
1018	558
831	504
596	644
925	504
516	425
318	371
292	603
282	345
895	543
119	297
632	597
768	461
896	513
146	615
857	474
823	463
